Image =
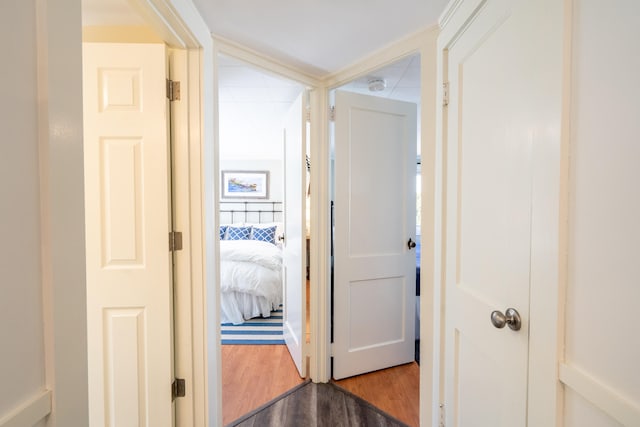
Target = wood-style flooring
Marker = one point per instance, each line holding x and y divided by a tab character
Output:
254	375
394	390
318	405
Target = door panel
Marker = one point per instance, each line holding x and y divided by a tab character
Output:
375	215
294	248
488	147
129	299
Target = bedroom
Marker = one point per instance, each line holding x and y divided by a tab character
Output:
255	242
244	146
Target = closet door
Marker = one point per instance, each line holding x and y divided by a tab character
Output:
127	208
503	76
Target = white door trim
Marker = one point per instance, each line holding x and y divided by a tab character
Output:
60	157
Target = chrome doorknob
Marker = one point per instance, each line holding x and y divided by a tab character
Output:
510	317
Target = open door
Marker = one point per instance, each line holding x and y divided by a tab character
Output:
375	214
294	244
127	205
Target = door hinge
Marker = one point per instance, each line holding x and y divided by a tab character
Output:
178	389
332	113
441	424
173	90
307	115
175	241
445	94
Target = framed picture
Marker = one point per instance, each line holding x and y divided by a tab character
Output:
245	184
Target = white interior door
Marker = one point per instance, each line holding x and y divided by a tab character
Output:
294	246
129	295
375	214
489	133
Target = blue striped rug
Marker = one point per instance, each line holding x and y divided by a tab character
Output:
256	331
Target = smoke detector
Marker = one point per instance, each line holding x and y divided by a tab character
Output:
377	84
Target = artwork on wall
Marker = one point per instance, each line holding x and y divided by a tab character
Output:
245	184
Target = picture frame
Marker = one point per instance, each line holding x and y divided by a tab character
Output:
245	184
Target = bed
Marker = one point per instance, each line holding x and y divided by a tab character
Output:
250	262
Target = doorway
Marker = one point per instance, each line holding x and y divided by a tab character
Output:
258	218
394	88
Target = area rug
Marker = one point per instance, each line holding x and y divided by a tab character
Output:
256	331
317	405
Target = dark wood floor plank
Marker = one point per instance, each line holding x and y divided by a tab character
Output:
319	405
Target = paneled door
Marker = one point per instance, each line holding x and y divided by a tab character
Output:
490	130
375	226
294	244
127	202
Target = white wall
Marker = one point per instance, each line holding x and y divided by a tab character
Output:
21	324
251	131
602	332
42	308
251	139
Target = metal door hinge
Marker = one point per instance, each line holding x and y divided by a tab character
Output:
307	115
441	424
445	94
332	113
178	389
173	90
175	241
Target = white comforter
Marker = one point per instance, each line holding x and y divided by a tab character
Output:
251	279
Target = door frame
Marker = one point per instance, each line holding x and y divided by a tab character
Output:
424	44
196	186
314	88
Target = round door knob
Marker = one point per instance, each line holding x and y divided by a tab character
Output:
510	317
411	244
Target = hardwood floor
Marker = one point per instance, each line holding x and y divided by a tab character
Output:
253	375
394	390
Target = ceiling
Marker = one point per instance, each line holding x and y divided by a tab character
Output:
109	12
308	34
317	36
242	83
402	80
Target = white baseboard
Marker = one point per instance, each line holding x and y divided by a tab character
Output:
29	412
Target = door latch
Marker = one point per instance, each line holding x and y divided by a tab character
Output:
411	244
